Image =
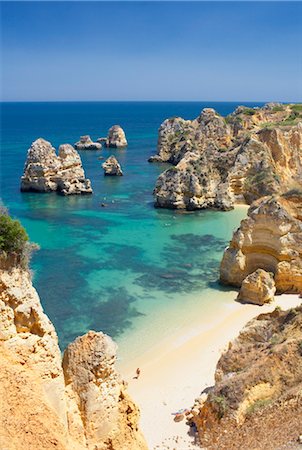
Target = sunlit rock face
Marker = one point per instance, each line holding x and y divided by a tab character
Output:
112	167
270	239
45	171
97	393
257	288
116	137
86	143
256	399
237	159
82	405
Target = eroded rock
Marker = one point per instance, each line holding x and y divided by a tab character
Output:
269	239
45	171
85	143
258	288
237	159
112	167
257	388
116	137
95	388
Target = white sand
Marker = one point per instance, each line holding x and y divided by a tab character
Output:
175	372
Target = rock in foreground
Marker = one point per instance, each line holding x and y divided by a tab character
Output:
85	143
256	400
45	171
258	288
269	239
83	405
112	167
116	137
95	389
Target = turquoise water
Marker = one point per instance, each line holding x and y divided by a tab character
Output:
126	268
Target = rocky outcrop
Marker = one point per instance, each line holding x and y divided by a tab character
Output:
97	392
116	137
257	288
112	167
177	136
45	171
269	239
256	400
85	143
238	159
82	405
196	182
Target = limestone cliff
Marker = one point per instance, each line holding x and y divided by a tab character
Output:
45	171
82	405
223	161
256	400
270	239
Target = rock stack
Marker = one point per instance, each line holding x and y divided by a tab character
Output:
112	167
45	171
116	137
85	143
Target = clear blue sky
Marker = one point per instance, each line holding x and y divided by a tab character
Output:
152	51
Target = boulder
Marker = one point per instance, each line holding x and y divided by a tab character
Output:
45	171
112	167
116	137
258	288
85	143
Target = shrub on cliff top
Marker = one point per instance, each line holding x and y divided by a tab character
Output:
13	239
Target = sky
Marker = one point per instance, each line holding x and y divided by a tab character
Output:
212	51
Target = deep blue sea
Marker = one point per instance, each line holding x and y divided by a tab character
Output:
130	270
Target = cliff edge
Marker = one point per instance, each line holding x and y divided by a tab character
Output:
82	404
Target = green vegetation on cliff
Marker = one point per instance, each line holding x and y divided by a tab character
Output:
14	240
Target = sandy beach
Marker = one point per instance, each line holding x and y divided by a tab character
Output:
177	370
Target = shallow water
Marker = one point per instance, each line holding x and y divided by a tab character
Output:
132	271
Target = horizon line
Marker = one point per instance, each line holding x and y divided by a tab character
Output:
148	101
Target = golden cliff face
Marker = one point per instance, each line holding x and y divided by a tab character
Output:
270	239
256	400
82	405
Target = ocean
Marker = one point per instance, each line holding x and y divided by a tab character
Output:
132	271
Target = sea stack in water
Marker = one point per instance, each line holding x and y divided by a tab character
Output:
269	239
112	167
116	137
85	143
45	171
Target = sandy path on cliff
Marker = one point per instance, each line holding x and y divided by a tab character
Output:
174	373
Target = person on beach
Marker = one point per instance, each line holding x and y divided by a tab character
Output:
138	371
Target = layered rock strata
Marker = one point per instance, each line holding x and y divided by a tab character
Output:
116	137
85	143
256	400
82	405
112	167
45	171
249	154
269	239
